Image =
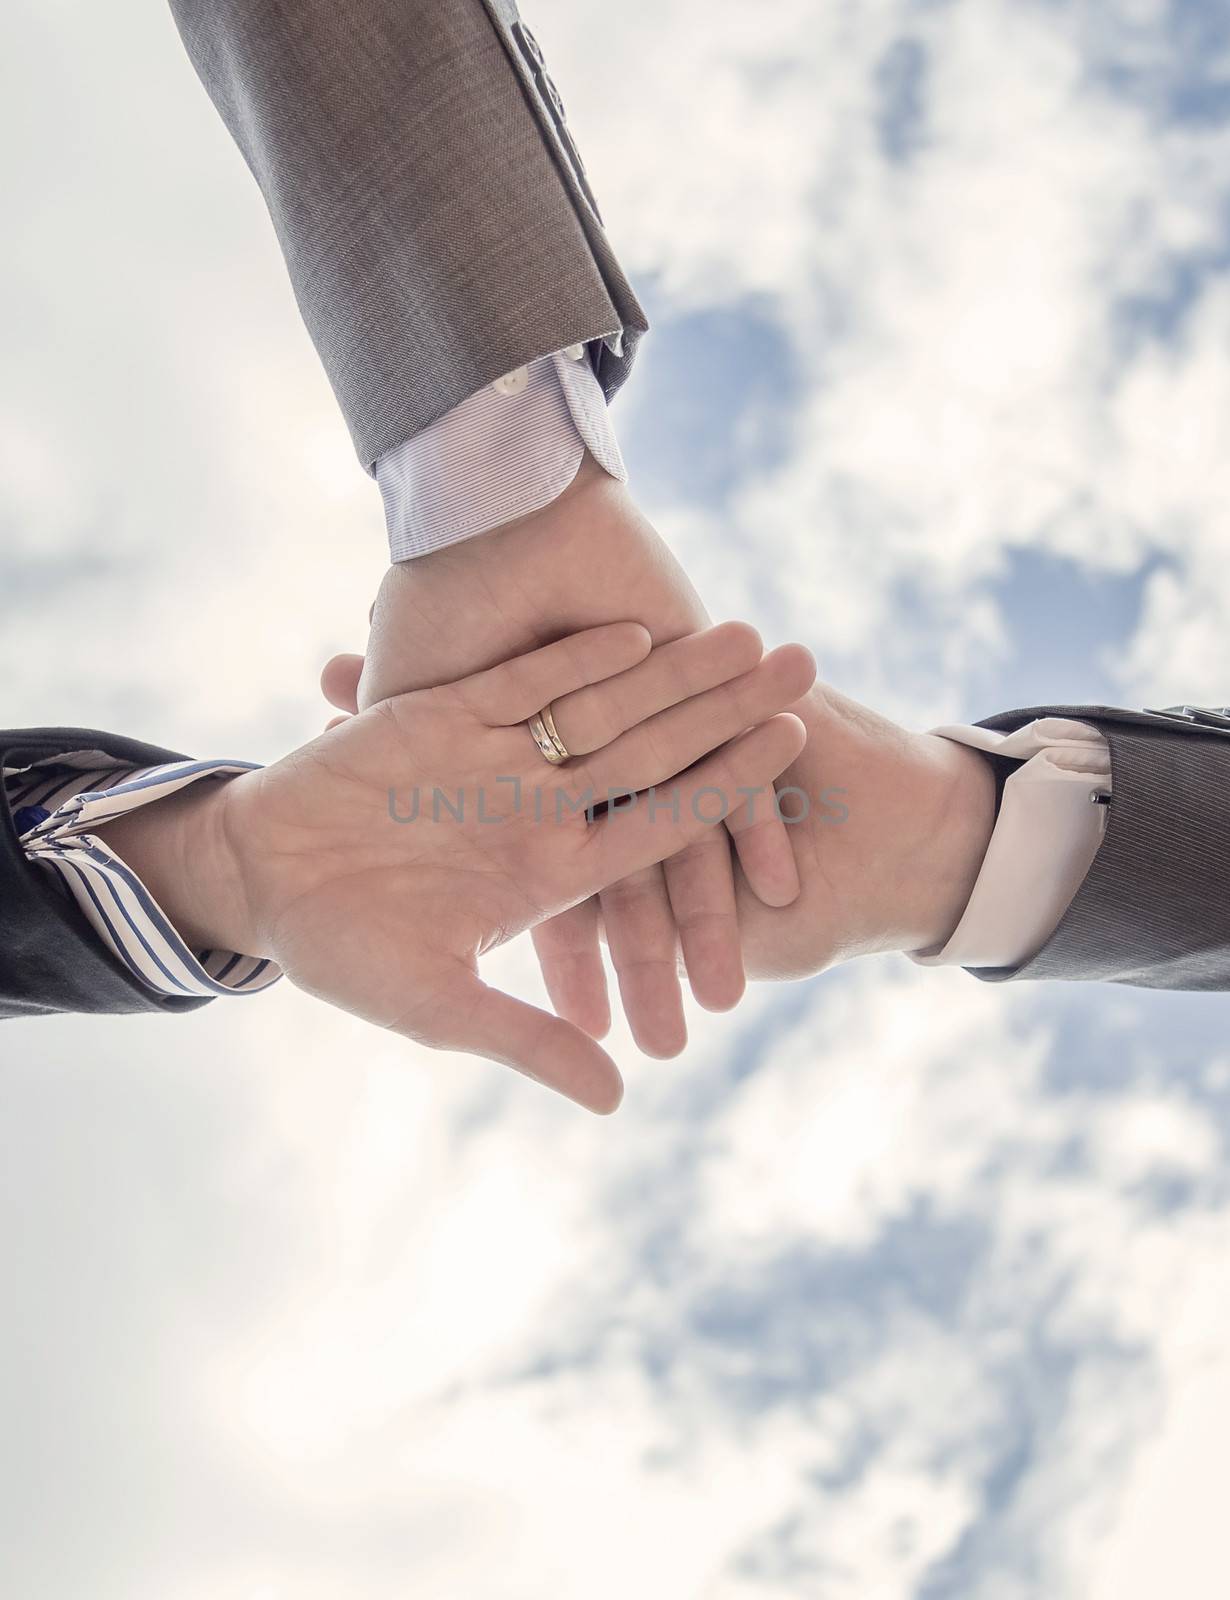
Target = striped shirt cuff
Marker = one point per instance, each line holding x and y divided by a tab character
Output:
56	805
504	452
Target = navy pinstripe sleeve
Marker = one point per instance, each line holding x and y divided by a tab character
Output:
78	929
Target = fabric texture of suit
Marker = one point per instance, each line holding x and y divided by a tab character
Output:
429	199
51	959
1154	908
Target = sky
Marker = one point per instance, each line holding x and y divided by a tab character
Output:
896	1286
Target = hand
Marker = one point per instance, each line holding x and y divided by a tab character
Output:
338	863
588	558
889	851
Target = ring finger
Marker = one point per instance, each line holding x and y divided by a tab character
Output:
591	717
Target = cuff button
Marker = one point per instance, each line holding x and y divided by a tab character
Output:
512	382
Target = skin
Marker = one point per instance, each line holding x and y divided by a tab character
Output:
894	872
587	558
304	862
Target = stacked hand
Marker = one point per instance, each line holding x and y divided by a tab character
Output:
340	863
888	866
590	557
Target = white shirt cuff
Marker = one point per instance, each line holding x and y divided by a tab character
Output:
56	803
508	450
1045	838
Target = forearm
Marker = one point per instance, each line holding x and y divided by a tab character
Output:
181	849
1154	907
425	193
1135	890
82	931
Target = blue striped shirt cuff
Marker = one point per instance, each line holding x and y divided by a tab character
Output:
56	805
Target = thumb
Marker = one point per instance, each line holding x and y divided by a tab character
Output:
339	682
556	1053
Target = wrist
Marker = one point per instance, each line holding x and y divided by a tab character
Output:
587	558
517	536
959	816
181	849
889	851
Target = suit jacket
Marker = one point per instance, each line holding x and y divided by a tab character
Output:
439	230
429	198
1154	908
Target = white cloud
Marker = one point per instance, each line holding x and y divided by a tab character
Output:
968	386
300	1312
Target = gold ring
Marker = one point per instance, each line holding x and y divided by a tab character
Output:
546	737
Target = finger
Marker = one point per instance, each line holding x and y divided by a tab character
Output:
700	880
644	946
762	842
656	825
487	1022
570	954
670	742
517	689
339	681
591	717
335	722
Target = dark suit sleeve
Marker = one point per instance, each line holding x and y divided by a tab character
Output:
1154	908
51	959
432	207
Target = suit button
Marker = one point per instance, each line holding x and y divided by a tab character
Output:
553	96
529	44
570	144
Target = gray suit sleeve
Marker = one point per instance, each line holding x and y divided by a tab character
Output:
431	205
1154	908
